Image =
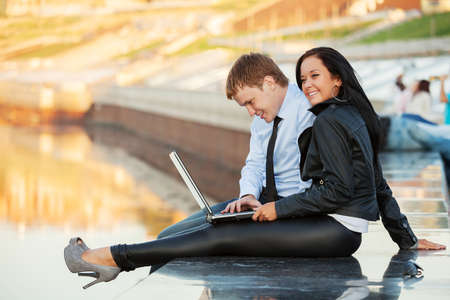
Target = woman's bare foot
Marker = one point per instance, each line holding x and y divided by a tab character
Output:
425	244
99	256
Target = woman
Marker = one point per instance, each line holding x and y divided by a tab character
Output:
413	100
445	97
421	99
326	220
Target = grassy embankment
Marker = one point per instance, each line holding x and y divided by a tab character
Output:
202	44
239	8
18	30
137	52
331	32
66	32
429	26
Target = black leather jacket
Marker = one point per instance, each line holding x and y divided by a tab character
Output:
337	155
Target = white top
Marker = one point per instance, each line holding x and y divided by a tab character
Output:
352	223
420	104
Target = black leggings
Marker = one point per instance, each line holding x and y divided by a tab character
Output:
318	236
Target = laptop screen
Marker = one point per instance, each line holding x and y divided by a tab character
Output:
189	181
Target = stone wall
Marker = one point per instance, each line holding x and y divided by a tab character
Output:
285	13
213	155
403	4
291	12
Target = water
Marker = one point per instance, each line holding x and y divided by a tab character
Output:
55	183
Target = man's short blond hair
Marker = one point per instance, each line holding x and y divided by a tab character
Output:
250	70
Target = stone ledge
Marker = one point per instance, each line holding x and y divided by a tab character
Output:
203	107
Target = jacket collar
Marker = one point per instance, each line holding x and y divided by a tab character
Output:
320	107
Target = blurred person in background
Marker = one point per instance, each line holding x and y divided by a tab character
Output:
403	134
445	99
408	134
411	131
420	103
414	102
402	95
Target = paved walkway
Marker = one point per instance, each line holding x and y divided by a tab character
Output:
374	272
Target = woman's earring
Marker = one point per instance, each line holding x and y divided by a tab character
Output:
336	93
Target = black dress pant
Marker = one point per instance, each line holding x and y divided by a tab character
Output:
316	236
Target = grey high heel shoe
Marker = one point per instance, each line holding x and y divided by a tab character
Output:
75	264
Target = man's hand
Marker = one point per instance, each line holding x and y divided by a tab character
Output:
425	244
245	203
266	212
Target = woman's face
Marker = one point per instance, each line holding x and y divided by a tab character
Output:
317	82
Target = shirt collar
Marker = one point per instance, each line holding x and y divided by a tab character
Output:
284	109
320	107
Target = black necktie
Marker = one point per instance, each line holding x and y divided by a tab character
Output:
272	193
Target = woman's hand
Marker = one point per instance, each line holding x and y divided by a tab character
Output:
267	212
425	244
245	203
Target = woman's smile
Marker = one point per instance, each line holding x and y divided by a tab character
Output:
311	94
318	83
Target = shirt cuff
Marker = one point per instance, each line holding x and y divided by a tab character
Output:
249	192
413	247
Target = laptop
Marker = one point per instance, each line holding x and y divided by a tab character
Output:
210	217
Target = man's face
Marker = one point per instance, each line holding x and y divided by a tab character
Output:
260	102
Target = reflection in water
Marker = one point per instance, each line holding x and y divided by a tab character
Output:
56	176
289	278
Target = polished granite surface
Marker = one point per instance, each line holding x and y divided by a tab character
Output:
376	271
57	183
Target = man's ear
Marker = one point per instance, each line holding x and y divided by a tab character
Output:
269	81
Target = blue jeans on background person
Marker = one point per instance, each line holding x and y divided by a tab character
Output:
417	118
408	134
398	137
436	138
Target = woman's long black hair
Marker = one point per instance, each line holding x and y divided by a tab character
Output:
350	90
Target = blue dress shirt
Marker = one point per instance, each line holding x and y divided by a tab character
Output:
286	157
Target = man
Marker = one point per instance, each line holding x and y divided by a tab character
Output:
256	83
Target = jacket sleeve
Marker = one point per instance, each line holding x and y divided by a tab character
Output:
332	144
393	220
